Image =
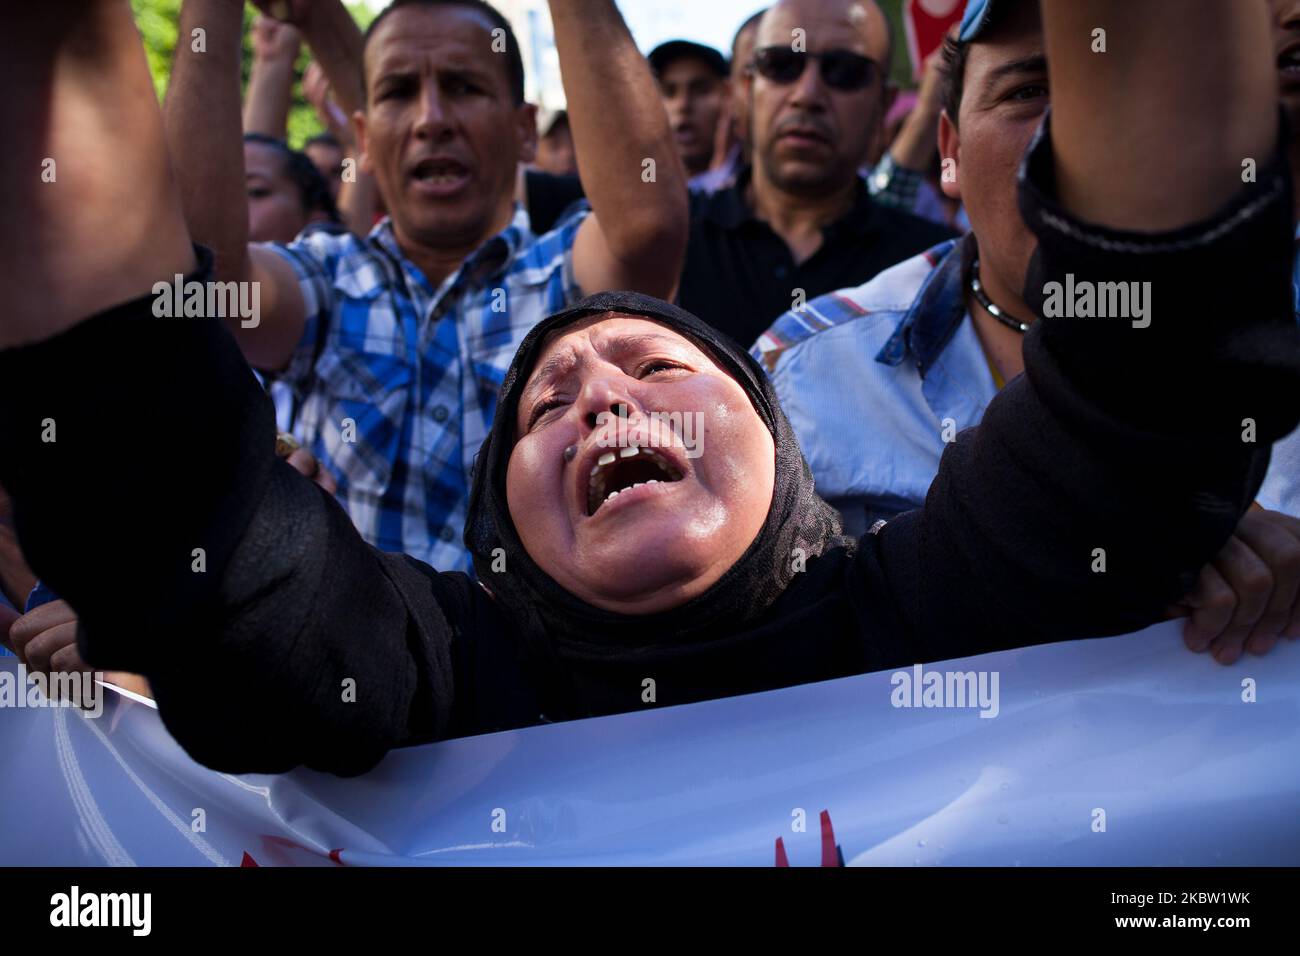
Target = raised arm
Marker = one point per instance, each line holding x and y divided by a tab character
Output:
248	630
338	47
270	81
1166	360
336	43
1150	135
629	166
358	193
63	201
204	133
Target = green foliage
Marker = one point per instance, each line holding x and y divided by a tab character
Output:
902	72
157	22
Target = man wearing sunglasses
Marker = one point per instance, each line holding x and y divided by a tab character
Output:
799	222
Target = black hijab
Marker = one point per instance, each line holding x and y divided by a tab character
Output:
555	623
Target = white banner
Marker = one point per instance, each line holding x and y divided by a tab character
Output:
1124	751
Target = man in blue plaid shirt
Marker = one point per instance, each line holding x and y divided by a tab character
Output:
396	343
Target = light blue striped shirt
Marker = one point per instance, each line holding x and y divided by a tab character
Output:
875	378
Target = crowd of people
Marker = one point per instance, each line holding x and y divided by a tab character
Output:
474	315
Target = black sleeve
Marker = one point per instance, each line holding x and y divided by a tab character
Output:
139	456
1102	480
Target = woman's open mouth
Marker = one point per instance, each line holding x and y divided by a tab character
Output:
621	470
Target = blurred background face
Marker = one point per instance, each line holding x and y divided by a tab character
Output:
694	95
555	151
657	546
1004	96
741	55
1286	19
329	160
441	132
810	139
275	211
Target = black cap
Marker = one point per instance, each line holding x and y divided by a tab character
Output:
665	53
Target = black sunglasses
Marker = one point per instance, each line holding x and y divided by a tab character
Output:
841	69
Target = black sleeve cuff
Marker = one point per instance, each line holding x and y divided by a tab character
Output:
132	442
1219	343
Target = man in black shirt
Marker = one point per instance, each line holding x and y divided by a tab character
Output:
800	223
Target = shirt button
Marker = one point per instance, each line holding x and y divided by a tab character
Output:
440	413
780	272
447	534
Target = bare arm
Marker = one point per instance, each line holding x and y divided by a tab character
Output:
270	81
918	138
74	73
1133	99
203	125
356	202
80	91
636	238
358	192
336	42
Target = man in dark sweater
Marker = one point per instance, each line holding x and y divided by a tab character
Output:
800	223
341	652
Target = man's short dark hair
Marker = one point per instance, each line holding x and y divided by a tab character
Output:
668	53
514	60
887	67
313	189
955	53
953	64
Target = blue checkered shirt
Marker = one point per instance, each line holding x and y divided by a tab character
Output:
396	382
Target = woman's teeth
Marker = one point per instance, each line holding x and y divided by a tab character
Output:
614	494
624	469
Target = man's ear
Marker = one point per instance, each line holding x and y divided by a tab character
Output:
526	129
363	152
950	151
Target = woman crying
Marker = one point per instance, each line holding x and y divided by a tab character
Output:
617	575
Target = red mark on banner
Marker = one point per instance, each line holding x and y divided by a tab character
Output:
832	855
247	860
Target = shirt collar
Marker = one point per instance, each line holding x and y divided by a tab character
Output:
485	264
938	309
729	209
